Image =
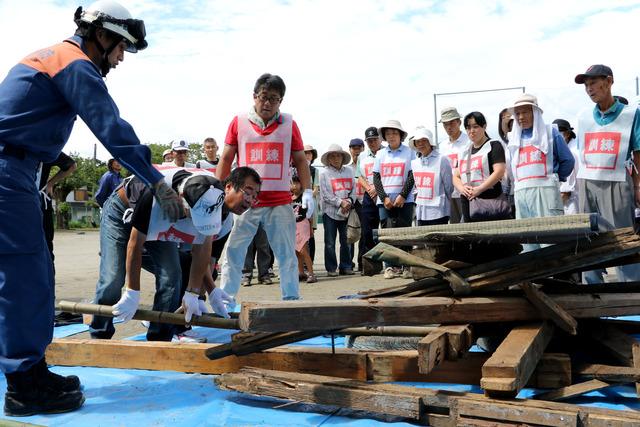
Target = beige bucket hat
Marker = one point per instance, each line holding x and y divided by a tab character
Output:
392	124
525	99
335	148
308	148
420	132
449	113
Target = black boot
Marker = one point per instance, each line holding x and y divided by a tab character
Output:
31	392
58	382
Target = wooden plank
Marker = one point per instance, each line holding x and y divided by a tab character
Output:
506	411
549	308
573	390
611	374
382	366
635	351
191	358
431	351
459	340
279	316
509	368
432	404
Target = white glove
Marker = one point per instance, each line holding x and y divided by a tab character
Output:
202	305
127	306
307	202
190	305
219	301
168	200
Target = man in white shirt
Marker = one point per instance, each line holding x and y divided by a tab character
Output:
180	150
452	147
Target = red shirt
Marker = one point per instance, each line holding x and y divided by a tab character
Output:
268	198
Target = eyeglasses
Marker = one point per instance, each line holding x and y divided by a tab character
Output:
271	99
251	198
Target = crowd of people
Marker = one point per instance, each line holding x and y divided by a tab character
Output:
174	219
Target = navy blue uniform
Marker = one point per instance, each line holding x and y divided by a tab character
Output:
39	101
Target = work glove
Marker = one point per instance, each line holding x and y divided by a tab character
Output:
202	305
219	301
127	306
168	200
307	202
191	306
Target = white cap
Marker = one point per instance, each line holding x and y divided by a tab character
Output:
180	145
206	214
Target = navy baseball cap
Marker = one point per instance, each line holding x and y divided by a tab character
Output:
356	142
597	70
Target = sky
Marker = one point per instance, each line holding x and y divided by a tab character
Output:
347	64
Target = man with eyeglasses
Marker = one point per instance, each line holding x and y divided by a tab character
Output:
40	99
266	140
131	220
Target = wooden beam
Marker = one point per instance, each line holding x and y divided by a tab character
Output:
445	342
509	368
281	316
610	338
431	351
383	366
573	390
610	374
431	405
549	308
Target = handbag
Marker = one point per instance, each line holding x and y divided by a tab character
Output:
487	209
353	227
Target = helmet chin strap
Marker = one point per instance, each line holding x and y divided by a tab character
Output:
105	65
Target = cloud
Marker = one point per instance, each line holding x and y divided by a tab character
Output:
347	64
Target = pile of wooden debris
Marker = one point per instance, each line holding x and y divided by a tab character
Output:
542	329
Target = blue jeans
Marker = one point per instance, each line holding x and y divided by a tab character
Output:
331	227
280	225
26	273
114	236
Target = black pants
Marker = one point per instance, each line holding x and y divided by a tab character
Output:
259	246
369	221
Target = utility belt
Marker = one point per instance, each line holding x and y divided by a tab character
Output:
7	149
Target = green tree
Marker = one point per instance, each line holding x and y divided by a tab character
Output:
86	175
156	152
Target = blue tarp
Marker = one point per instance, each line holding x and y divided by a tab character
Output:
125	397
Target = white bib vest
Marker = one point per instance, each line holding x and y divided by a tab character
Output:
533	168
427	181
366	164
478	171
182	231
602	150
206	165
342	187
269	154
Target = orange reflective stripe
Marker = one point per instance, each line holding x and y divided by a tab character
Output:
54	59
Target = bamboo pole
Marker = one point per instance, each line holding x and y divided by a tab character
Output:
208	321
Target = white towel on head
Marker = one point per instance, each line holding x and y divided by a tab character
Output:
539	138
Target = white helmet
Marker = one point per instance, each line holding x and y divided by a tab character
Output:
112	16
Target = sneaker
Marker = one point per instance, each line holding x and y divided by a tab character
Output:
265	280
188	336
332	273
346	272
271	273
406	273
311	278
246	280
389	273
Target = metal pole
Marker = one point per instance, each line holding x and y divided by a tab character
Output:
152	316
435	116
637	87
